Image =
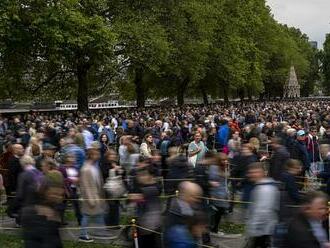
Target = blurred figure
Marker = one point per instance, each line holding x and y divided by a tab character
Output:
290	192
146	194
306	230
113	175
278	159
183	207
218	180
289	202
29	182
91	186
14	167
240	168
41	221
188	234
262	212
71	181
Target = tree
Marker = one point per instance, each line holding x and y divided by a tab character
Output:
63	40
326	64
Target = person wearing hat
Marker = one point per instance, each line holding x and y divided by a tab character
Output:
91	186
301	150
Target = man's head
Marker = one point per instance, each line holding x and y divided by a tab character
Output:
256	172
190	192
93	152
197	137
315	206
301	135
18	150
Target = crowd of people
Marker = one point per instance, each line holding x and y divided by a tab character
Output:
178	171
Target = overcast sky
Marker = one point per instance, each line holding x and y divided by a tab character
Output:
310	16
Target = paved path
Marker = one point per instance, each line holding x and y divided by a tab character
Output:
117	237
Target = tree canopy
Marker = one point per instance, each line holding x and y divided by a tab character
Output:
148	49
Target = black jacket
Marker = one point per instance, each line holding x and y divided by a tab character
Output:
179	168
15	169
38	231
300	234
277	162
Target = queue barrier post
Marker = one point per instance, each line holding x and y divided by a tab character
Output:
135	233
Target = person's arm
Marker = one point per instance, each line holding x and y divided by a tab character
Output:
193	150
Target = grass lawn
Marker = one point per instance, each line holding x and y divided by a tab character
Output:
231	228
13	241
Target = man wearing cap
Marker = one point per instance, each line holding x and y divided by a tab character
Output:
301	150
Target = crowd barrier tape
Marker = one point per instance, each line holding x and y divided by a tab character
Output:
134	227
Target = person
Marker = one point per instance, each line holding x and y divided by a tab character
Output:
239	169
188	234
71	180
91	187
262	212
196	149
41	221
301	151
306	230
111	171
290	196
222	136
278	159
234	145
218	180
183	207
14	167
313	147
87	134
104	142
147	146
146	193
29	182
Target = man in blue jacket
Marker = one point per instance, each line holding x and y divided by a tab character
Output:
222	136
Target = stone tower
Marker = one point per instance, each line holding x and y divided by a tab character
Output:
292	87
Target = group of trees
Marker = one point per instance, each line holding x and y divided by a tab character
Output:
144	49
325	61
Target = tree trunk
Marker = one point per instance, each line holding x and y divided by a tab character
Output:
82	98
205	98
181	89
241	94
225	93
139	89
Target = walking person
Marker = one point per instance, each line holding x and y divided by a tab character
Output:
91	187
262	212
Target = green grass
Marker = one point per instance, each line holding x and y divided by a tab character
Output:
13	241
232	228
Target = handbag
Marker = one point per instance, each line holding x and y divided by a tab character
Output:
114	185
